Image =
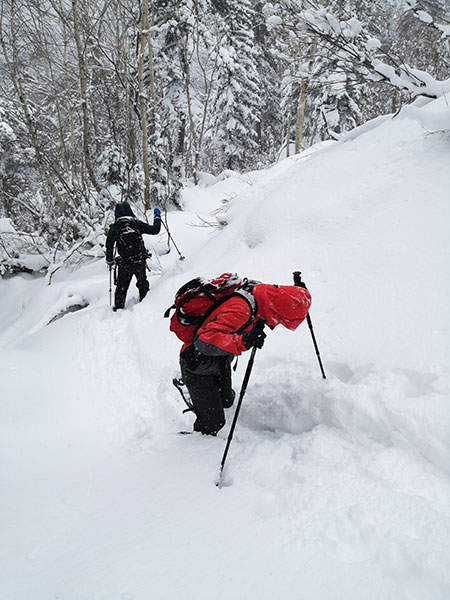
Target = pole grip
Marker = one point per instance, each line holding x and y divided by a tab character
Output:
297	277
262	322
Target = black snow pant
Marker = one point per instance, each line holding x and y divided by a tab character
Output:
210	394
125	272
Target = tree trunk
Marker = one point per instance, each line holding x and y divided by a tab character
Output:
301	116
14	72
143	103
302	99
84	97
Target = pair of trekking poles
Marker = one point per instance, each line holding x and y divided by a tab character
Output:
297	282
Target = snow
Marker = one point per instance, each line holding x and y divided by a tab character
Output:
431	120
444	28
274	20
355	26
424	16
336	488
7	130
373	44
414	80
333	23
6	226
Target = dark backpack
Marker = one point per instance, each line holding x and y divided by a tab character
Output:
199	297
130	244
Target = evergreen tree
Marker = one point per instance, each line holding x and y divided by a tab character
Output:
173	22
268	63
430	49
18	176
233	134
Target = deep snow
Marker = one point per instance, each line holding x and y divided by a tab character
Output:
334	489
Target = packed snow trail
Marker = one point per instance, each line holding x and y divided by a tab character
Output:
336	488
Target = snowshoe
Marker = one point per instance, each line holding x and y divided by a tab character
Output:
181	387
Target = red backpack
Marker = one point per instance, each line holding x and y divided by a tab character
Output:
199	297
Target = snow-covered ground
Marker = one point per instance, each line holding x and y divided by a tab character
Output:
336	488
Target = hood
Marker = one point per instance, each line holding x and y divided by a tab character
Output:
287	305
123	209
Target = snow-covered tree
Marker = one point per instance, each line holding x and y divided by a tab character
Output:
232	138
18	177
427	24
108	99
268	63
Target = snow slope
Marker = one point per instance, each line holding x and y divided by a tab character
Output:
336	488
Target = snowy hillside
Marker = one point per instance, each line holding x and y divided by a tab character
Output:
336	488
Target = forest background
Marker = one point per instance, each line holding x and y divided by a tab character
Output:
110	100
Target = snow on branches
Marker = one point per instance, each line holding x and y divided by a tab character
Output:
363	53
425	17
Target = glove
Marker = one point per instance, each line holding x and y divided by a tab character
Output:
254	337
109	263
302	285
157	213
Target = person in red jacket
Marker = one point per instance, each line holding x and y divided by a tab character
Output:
231	329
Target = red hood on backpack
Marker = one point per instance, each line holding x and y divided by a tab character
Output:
287	305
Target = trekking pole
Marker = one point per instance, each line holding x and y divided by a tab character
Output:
110	285
238	408
171	238
298	282
155	254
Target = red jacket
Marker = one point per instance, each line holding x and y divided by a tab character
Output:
287	305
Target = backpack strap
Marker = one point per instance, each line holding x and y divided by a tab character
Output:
241	293
206	293
251	301
189	286
190	290
125	219
167	312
